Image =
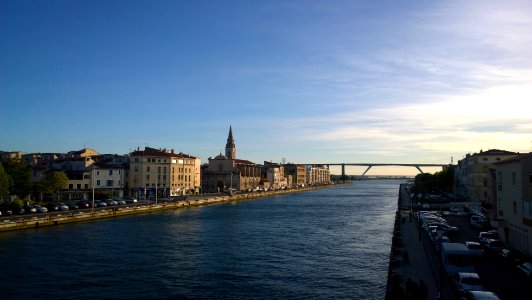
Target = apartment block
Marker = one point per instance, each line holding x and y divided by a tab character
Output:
163	172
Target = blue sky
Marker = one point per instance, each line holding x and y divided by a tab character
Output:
309	81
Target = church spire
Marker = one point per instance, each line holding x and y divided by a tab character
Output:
230	148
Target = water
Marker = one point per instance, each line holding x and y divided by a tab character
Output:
327	244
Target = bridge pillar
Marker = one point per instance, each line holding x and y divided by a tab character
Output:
369	167
343	172
420	171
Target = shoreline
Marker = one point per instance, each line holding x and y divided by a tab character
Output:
118	211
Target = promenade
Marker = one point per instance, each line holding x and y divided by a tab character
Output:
81	215
412	259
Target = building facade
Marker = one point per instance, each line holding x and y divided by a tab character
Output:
514	202
472	175
224	173
318	174
298	174
163	173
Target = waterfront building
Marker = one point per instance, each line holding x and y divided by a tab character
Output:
163	172
275	175
514	202
298	174
318	174
472	176
227	172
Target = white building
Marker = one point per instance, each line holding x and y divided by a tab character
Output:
514	202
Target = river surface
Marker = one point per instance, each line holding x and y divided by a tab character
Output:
326	244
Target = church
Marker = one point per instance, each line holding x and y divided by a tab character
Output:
225	173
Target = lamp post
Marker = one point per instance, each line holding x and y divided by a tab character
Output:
439	233
92	184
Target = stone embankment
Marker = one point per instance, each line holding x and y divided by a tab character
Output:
412	271
36	221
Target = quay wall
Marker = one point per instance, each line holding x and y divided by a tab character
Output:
116	211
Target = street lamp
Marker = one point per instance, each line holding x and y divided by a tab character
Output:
92	184
439	233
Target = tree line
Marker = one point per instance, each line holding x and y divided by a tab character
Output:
16	180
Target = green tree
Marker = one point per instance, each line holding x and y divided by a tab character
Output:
54	181
20	176
4	183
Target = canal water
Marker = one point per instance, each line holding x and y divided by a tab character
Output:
325	244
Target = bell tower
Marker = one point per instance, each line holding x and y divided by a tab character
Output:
230	148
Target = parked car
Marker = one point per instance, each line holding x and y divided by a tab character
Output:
525	269
41	209
131	200
62	206
121	202
84	204
479	222
52	207
465	281
480	295
111	202
7	212
99	203
30	209
474	247
493	246
511	257
72	205
484	236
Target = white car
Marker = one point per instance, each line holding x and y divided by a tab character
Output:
41	209
480	295
62	206
474	247
466	281
484	236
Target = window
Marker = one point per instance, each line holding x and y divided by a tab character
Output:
147	177
164	170
527	208
79	186
86	186
70	186
136	169
97	172
136	159
147	168
110	172
164	177
515	207
529	178
159	170
109	182
513	178
98	182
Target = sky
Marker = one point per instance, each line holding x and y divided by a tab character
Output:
405	81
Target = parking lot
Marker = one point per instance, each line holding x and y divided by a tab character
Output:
497	275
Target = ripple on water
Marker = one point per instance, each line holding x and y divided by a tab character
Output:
325	244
